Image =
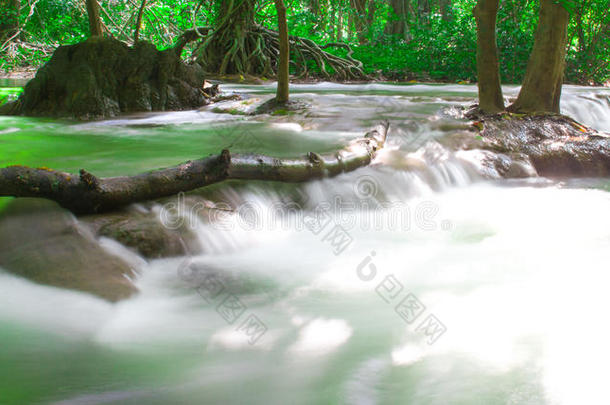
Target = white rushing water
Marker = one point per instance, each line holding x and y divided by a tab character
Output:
424	285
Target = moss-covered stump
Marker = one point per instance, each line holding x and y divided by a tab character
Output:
553	145
103	77
43	243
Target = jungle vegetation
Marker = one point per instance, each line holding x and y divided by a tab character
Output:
394	39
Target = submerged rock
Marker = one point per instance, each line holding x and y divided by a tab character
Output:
44	243
103	77
144	233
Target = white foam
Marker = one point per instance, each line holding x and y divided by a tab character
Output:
321	336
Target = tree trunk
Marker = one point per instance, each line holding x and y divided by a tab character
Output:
136	35
87	194
237	45
283	75
358	13
225	50
397	23
488	71
95	22
370	18
9	18
541	90
339	37
315	8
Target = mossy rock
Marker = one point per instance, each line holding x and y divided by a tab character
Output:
104	77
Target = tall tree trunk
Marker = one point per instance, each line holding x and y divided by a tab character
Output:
314	8
9	18
397	20
95	22
541	90
339	25
283	77
225	50
488	71
359	17
370	18
136	35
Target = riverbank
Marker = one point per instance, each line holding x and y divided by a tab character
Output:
22	75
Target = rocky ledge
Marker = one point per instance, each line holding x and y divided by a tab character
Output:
512	145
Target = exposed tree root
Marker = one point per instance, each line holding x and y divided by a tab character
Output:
88	194
255	52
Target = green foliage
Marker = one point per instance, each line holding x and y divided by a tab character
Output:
437	43
9	94
588	57
517	21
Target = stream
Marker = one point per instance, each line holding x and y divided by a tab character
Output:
397	283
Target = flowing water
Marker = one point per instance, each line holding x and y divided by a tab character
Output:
425	285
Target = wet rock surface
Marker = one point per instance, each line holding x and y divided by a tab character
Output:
44	243
523	146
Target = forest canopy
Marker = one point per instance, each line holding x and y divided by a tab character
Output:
421	39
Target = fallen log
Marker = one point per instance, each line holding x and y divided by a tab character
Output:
87	194
357	153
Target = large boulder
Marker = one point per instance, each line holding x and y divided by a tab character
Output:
103	77
44	243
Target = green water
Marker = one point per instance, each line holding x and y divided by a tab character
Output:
9	93
123	149
45	366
